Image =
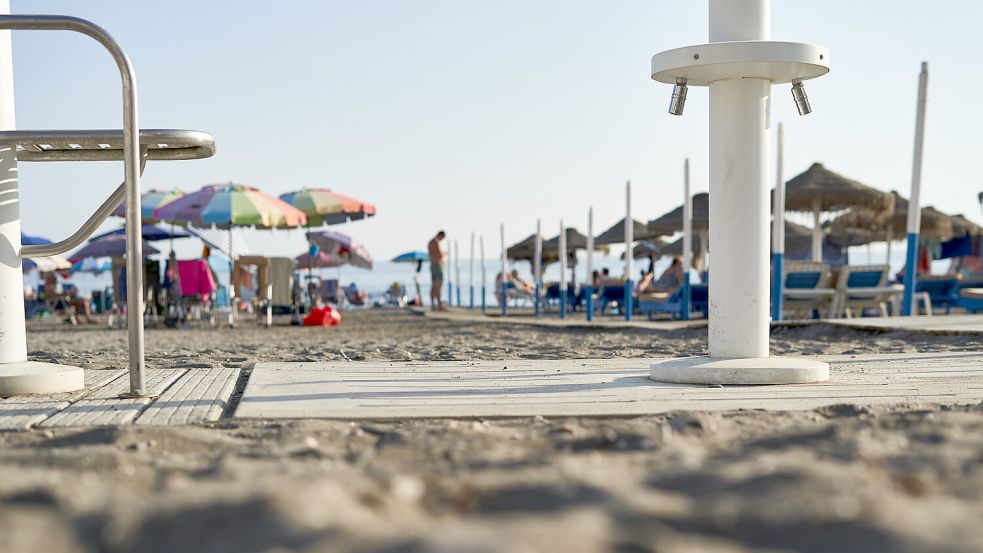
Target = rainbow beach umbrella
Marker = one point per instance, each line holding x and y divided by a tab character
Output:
326	207
149	202
340	245
231	205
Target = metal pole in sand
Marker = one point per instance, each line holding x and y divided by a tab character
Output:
589	287
505	274
471	275
450	286
629	238
537	264
484	278
562	249
457	272
739	65
778	232
687	240
914	204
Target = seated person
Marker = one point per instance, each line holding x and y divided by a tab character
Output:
667	283
354	295
522	285
68	296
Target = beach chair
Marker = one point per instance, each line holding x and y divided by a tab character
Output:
807	292
611	294
519	296
329	291
191	296
396	296
551	296
860	287
651	303
942	291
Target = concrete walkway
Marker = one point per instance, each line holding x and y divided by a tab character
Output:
610	387
937	324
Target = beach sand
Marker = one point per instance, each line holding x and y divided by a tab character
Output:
844	478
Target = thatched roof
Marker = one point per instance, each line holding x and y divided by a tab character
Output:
672	222
616	234
525	250
676	248
961	225
934	223
648	248
818	186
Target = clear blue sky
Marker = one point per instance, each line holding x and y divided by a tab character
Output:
461	114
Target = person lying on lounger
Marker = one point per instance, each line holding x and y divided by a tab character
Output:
670	279
521	284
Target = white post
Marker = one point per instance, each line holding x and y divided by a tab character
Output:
589	286
817	232
484	272
778	232
914	204
629	258
471	274
537	266
687	219
739	191
739	211
457	272
17	374
505	273
687	238
13	337
562	250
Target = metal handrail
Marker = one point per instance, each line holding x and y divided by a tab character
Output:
131	170
88	227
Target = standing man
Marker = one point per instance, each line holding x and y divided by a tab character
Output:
436	270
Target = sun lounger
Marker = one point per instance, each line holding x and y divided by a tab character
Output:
807	292
611	293
971	299
863	286
942	290
650	303
552	295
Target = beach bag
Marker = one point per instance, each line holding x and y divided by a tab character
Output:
323	316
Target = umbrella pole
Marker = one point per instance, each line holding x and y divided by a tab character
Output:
457	271
778	234
537	267
484	277
563	270
471	274
687	241
589	287
629	261
888	238
232	311
914	207
817	233
505	273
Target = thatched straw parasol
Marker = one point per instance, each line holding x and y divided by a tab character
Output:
648	248
676	248
616	234
935	224
961	226
672	222
820	190
525	250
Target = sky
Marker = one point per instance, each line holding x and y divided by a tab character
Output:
461	115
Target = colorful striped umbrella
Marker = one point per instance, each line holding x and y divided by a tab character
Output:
325	207
231	205
341	245
149	202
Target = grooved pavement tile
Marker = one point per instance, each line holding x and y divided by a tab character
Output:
198	396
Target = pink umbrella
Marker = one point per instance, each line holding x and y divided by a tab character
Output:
341	245
319	261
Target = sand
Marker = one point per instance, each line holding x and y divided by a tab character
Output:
845	478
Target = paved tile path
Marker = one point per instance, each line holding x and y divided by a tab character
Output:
609	387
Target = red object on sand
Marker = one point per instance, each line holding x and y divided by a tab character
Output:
323	316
